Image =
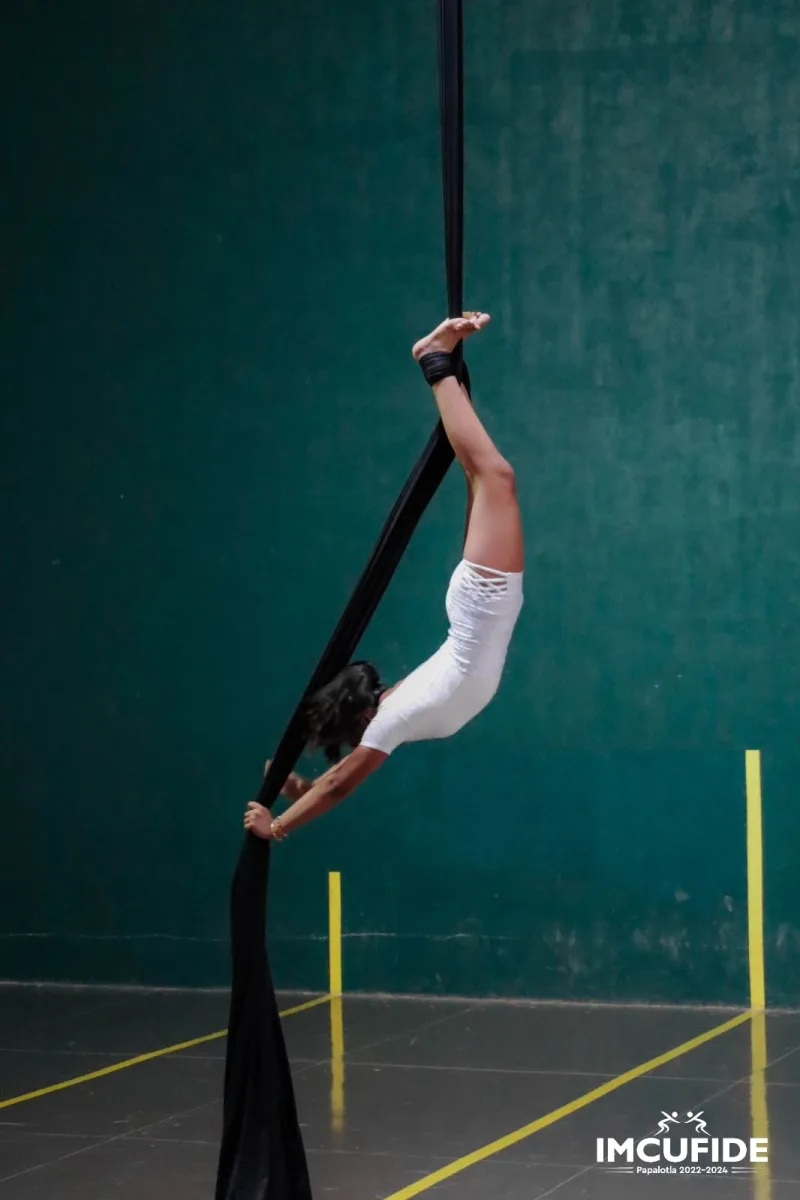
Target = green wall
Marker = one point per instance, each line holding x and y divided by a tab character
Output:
222	232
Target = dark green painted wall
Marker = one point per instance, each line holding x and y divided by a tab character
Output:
221	234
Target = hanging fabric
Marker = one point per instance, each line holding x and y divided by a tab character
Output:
262	1155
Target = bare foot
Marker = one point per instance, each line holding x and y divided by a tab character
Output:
446	336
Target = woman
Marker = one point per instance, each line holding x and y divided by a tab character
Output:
483	602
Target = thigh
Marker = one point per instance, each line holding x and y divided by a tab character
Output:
494	532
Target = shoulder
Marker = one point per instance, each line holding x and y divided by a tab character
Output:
392	691
387	729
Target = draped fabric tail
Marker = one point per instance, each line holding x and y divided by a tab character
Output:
262	1155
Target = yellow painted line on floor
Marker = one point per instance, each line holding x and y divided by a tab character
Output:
335	932
566	1110
755	880
142	1058
759	1106
337	1064
298	1008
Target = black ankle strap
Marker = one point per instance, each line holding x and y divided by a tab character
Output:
437	365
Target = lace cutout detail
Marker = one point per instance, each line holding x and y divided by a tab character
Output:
484	582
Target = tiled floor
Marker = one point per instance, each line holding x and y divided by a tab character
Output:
421	1084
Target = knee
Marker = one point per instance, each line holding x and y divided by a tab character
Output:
501	474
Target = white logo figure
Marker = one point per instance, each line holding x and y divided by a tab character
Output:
669	1119
695	1119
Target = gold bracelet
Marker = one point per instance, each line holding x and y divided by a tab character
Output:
276	830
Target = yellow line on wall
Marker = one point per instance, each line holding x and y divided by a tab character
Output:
335	983
755	879
335	932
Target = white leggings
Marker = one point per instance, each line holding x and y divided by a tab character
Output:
452	687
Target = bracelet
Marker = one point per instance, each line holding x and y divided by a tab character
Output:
277	831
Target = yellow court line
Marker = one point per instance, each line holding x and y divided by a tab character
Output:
759	1105
519	1135
142	1058
337	1064
755	880
335	932
298	1008
336	987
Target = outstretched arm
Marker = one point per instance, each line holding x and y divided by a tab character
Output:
295	786
326	792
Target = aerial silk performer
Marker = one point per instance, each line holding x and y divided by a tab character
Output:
483	602
262	1155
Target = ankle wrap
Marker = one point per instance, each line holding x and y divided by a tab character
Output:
437	365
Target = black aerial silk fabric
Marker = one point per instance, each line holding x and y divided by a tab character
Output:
262	1155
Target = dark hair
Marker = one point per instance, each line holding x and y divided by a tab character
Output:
335	714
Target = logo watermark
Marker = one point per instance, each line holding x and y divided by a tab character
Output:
674	1152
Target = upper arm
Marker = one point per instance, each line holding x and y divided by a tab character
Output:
345	776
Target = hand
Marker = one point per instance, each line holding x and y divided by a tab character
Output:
295	785
258	820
